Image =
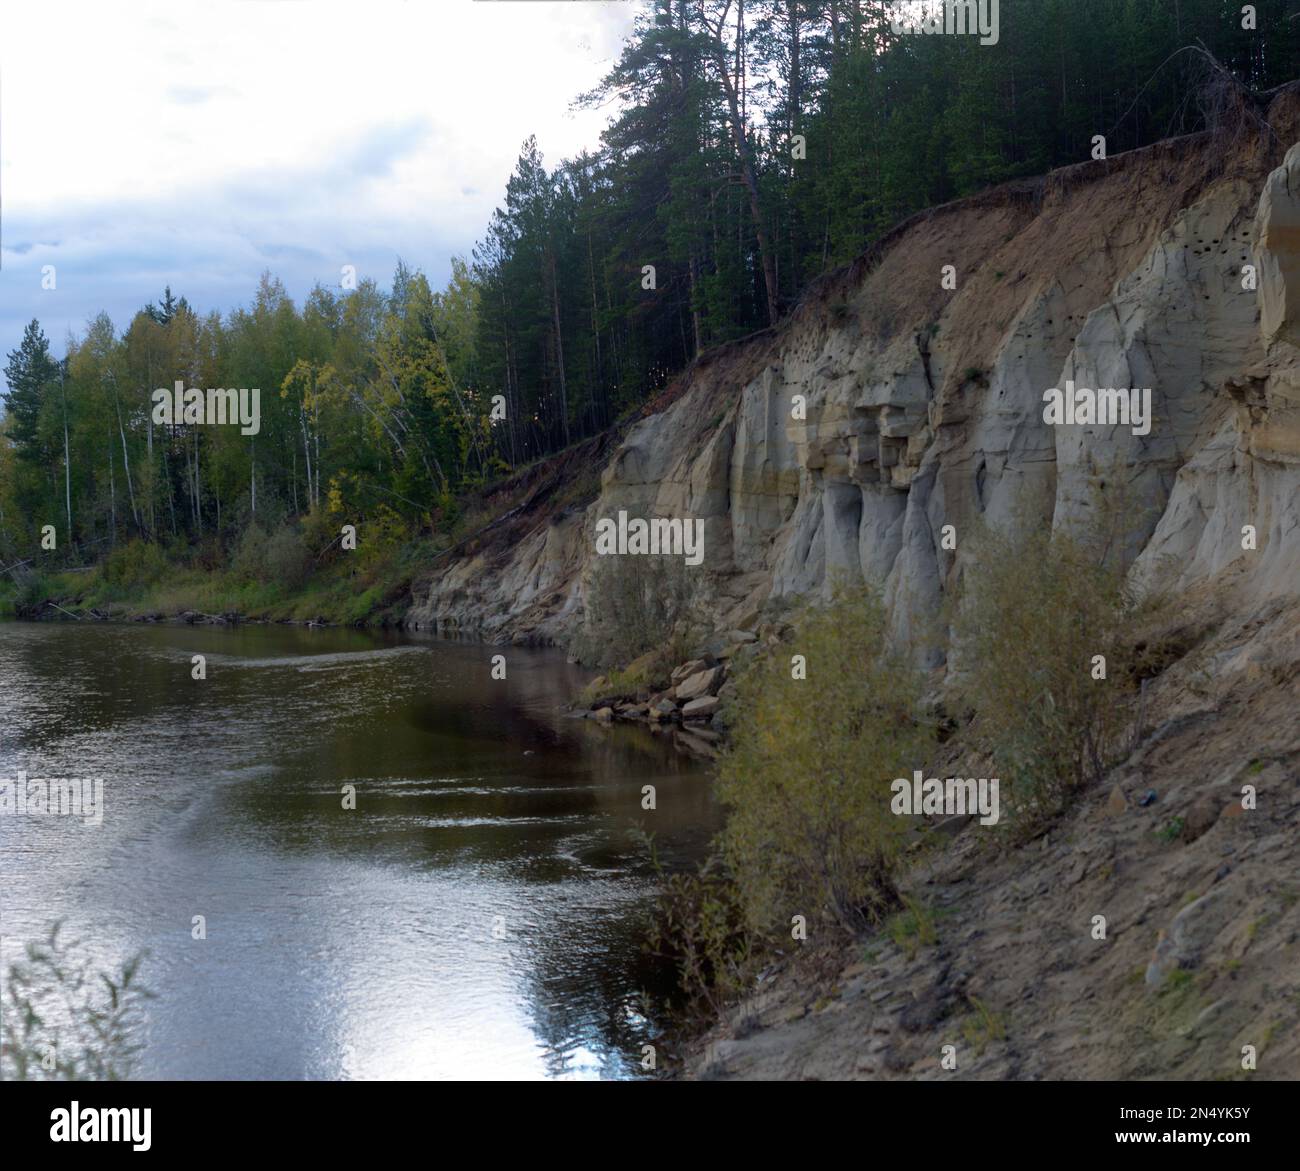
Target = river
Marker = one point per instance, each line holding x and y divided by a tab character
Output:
476	915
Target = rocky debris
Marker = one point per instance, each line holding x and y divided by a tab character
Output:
1200	818
1182	944
700	709
694	666
930	1004
614	699
699	688
701	683
730	643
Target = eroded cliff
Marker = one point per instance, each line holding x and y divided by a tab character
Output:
886	406
1177	269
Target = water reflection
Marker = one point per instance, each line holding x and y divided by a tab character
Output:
476	915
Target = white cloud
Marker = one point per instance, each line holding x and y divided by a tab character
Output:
199	144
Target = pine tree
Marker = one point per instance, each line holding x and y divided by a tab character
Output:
29	372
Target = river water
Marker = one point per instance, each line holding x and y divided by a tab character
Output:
476	915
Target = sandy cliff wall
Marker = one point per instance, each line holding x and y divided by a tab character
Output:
924	406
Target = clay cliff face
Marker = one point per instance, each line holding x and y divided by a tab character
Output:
887	406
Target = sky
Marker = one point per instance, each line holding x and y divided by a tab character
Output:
201	144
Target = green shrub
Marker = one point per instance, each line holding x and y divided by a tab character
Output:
807	778
64	1020
134	565
249	562
913	928
641	604
320	532
638	678
982	1026
287	559
381	535
698	925
31	591
1035	610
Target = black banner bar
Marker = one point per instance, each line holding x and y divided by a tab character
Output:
337	1119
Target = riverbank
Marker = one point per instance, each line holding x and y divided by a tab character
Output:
299	573
692	696
1152	930
140	584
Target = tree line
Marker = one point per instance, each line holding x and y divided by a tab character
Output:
359	412
752	145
